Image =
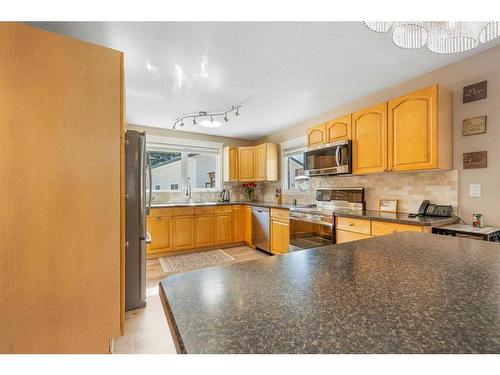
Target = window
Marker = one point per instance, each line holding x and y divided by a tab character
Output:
174	160
294	178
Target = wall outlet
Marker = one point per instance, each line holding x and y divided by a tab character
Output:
475	190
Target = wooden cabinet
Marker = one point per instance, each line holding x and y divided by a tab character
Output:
369	138
204	230
419	130
230	164
238	223
280	236
160	229
345	236
316	135
223	228
380	228
338	129
353	225
246	163
248	225
183	232
266	162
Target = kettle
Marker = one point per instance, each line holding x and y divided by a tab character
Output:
224	196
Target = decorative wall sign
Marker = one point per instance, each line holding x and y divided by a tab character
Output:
475	92
474	125
388	205
475	159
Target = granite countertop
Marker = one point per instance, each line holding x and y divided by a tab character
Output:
401	293
398	217
261	204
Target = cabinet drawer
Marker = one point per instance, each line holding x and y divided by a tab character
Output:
279	213
203	210
354	225
379	228
182	211
345	236
160	212
223	209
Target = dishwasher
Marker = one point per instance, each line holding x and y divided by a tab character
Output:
260	228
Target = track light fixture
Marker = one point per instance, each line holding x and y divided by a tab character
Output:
208	119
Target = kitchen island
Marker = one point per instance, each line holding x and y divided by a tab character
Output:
401	293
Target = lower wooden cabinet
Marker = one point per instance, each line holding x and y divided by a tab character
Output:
204	230
223	228
160	228
345	236
238	223
183	232
380	228
280	236
248	225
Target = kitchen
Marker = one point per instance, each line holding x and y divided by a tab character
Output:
363	221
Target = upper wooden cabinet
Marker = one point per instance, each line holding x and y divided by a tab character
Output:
419	130
369	140
230	164
338	129
246	163
316	135
266	162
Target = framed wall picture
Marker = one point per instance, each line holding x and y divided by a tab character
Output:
476	91
474	160
474	125
388	205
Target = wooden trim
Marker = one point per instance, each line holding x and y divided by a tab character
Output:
176	337
122	200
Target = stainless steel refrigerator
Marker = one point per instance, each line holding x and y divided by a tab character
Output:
138	204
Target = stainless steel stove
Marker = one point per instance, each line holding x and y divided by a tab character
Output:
313	225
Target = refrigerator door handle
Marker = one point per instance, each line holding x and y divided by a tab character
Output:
150	175
142	185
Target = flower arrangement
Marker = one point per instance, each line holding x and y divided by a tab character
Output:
249	188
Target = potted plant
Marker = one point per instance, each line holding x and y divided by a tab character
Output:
249	188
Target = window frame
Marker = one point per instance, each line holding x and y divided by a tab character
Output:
186	146
287	148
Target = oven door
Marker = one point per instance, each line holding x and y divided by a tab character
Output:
309	231
328	159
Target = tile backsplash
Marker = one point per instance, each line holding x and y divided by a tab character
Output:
409	188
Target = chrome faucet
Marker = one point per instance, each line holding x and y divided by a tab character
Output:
189	193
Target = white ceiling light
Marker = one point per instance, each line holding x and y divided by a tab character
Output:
440	37
207	118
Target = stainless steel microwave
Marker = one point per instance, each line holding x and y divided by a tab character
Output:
328	159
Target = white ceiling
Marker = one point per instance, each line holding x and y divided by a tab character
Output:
282	73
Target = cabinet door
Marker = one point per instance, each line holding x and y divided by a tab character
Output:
316	135
160	229
183	232
413	131
246	160
338	129
260	162
344	236
280	236
204	230
369	133
238	223
248	225
230	164
223	228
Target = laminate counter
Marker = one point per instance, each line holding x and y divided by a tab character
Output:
401	293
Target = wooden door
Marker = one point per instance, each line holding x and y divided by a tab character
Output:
413	131
338	129
183	232
238	223
369	138
160	229
204	230
248	225
280	236
230	164
316	135
223	228
261	162
61	152
246	160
